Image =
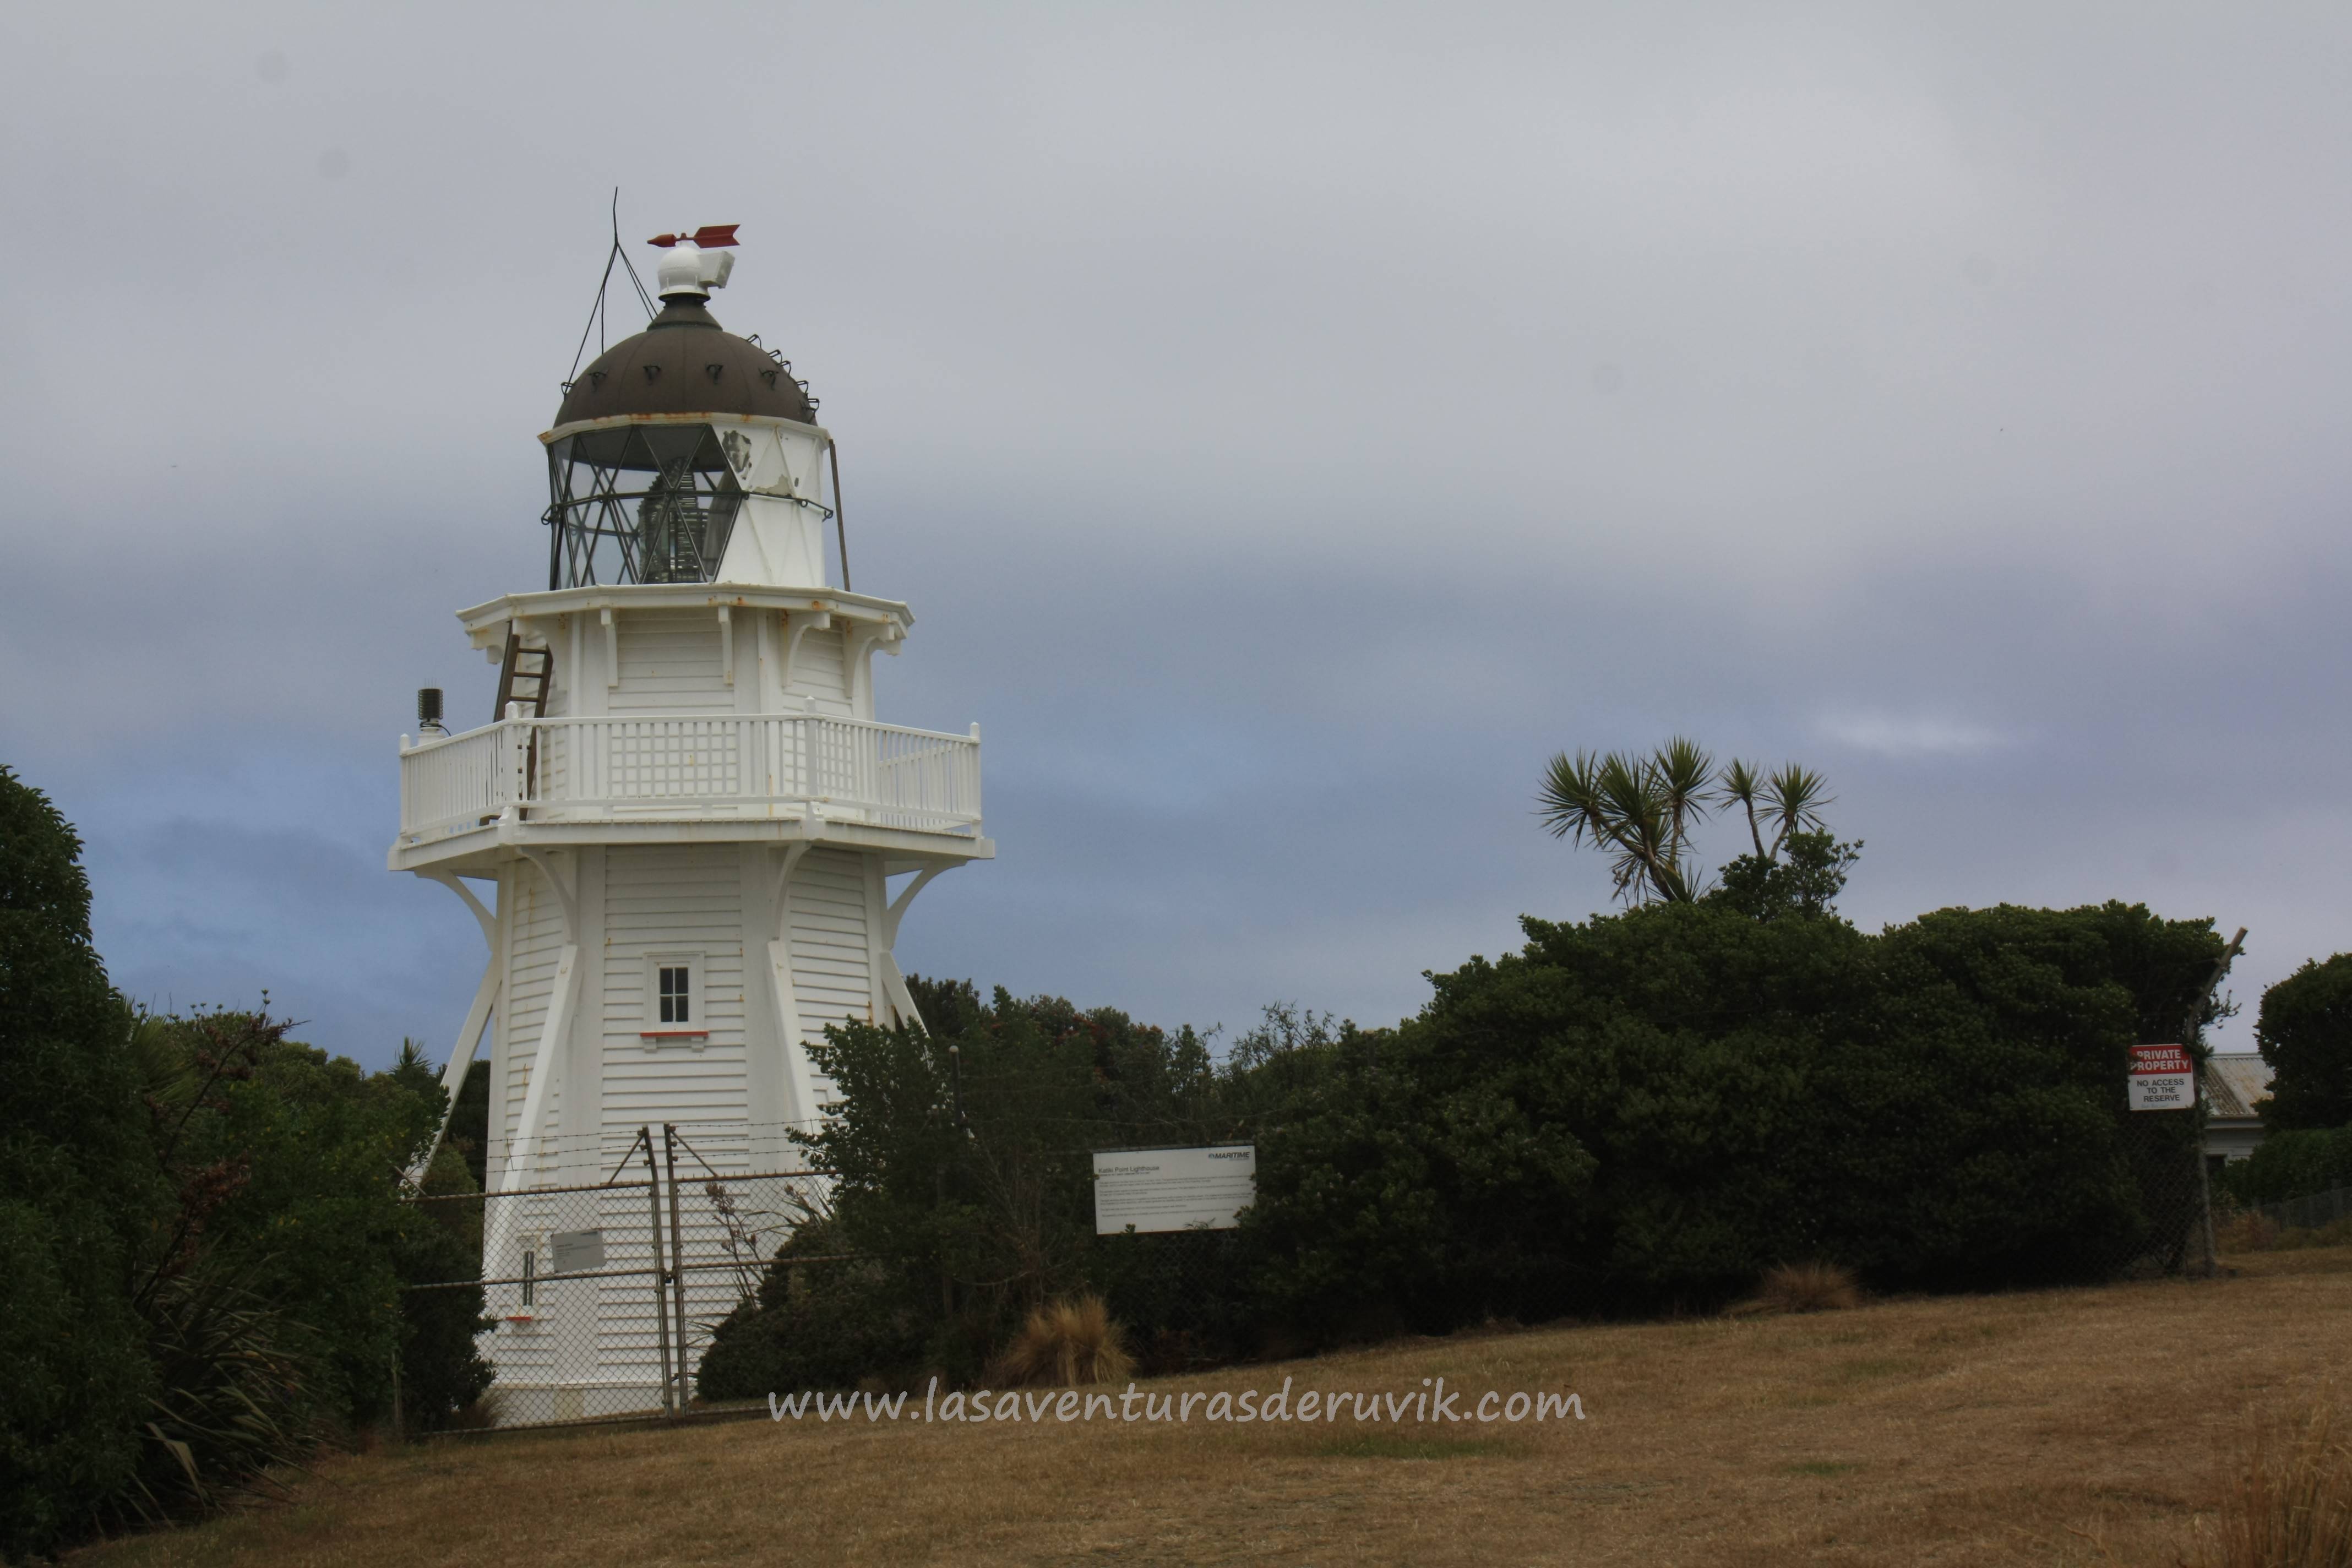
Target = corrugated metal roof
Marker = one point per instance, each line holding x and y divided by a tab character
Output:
2234	1084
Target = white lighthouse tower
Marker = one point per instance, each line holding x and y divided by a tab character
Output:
688	808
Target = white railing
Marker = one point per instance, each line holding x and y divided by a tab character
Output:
463	779
731	765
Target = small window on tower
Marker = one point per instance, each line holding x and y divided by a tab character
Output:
674	1007
677	999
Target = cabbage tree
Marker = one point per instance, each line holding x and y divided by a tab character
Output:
1640	810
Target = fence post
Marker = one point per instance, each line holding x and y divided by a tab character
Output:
2195	1037
661	1296
2210	1262
676	1258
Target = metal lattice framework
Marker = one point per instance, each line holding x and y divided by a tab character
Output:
639	503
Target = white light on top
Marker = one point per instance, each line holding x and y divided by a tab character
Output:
694	264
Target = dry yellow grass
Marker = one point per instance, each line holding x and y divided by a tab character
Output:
2080	1427
2289	1503
2244	1231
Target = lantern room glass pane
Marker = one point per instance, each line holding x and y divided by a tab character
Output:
639	503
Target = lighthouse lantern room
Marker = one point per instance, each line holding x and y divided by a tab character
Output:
686	835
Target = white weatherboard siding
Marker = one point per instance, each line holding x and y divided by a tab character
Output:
627	1343
534	943
670	665
832	964
681	900
818	672
642	904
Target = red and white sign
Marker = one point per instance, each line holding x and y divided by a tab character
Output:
2163	1078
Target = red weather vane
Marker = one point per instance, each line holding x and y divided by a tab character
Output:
707	237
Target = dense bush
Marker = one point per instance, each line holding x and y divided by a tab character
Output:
818	1325
299	1153
980	1197
1973	1131
1633	1112
289	1161
2292	1165
1654	1106
1601	1118
199	1220
2305	1032
442	1371
74	1191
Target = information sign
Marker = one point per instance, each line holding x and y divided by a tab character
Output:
1174	1189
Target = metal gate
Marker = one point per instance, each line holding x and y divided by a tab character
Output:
599	1299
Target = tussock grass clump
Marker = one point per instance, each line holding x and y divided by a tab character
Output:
1802	1287
2290	1504
1067	1344
2244	1230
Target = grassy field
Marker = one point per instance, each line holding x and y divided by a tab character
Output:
2075	1427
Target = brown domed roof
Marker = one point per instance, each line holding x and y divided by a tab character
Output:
685	362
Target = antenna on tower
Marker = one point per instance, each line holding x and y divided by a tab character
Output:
604	284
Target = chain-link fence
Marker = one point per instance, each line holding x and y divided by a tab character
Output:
1182	1296
600	1298
2310	1212
603	1296
2163	1156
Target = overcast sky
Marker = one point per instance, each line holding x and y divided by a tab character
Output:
1290	425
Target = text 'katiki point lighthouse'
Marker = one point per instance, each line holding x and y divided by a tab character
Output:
689	813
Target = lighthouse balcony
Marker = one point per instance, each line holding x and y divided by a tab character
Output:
586	773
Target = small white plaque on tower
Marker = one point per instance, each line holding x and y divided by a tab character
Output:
1174	1189
578	1251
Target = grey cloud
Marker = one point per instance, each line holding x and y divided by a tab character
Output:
1289	427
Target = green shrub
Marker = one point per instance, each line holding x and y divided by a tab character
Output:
2305	1032
299	1153
1635	1111
2292	1164
828	1325
442	1371
976	1221
1973	1131
202	1231
76	1190
1655	1106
